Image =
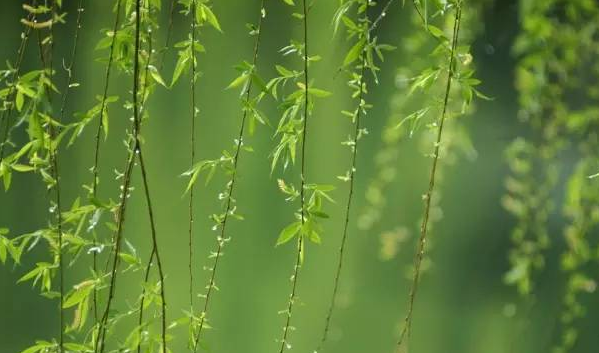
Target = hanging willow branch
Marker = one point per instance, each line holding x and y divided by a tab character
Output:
6	113
192	148
350	176
428	196
52	146
361	54
154	255
99	345
101	121
54	155
228	195
300	239
101	126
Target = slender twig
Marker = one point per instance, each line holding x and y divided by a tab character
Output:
428	196
155	255
352	172
69	68
192	148
383	13
169	31
115	29
101	336
300	241
5	117
140	319
379	18
54	171
231	184
155	252
54	156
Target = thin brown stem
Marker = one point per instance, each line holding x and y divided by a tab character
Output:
98	136
192	148
69	68
101	336
231	184
169	32
352	172
115	29
300	242
6	114
428	196
53	154
155	252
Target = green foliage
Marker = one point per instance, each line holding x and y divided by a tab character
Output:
548	75
80	256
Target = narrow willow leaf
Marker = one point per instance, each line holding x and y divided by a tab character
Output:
156	75
318	92
81	292
205	13
238	81
354	53
289	232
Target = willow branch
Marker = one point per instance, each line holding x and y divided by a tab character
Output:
155	253
428	196
115	29
231	184
192	148
5	117
101	336
352	172
300	244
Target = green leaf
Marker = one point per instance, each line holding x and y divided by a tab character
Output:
156	75
289	232
39	346
238	81
104	118
128	258
7	177
283	71
82	291
354	52
318	92
207	15
2	249
436	32
181	65
258	81
22	168
19	100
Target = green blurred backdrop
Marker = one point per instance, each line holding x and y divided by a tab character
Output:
462	299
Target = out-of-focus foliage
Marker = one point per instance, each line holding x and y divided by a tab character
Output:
113	113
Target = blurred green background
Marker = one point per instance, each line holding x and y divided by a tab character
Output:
462	301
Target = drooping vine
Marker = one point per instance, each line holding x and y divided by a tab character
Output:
361	56
141	88
10	93
192	148
453	60
228	162
200	14
293	130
